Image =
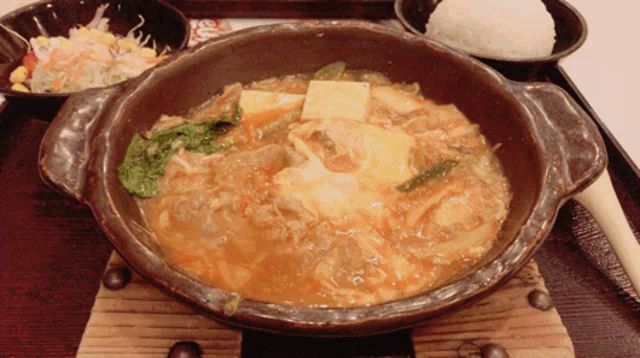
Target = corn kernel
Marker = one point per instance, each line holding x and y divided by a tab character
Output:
19	75
127	44
108	39
65	43
148	52
83	31
19	87
42	41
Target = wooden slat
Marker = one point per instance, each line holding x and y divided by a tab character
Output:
505	318
141	321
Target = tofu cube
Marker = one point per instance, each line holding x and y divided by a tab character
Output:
336	100
252	102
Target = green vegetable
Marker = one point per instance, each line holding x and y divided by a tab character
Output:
146	159
413	88
435	171
330	72
139	170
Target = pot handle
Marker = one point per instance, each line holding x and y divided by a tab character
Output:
66	147
569	134
571	130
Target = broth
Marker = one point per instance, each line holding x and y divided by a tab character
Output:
346	192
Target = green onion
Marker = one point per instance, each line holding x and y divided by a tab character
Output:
435	171
332	71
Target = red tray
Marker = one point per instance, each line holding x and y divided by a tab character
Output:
53	253
368	9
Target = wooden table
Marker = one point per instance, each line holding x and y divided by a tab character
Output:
53	255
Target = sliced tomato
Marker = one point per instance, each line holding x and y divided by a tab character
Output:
29	61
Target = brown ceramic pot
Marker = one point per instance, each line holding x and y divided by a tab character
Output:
550	150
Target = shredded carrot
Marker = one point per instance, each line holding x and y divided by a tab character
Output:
250	130
386	226
262	118
252	121
57	84
243	203
56	56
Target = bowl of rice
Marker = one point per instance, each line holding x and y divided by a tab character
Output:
515	31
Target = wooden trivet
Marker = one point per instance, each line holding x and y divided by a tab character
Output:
505	318
140	321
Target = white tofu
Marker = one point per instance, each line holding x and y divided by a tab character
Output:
336	100
252	102
396	100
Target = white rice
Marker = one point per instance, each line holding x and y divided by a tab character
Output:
494	28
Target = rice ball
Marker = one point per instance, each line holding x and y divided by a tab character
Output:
494	28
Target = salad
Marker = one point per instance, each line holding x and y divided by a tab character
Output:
90	57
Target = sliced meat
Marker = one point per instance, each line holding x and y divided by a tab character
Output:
237	166
396	100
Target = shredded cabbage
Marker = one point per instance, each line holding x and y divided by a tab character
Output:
90	57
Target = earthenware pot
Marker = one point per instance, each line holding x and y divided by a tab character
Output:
550	150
